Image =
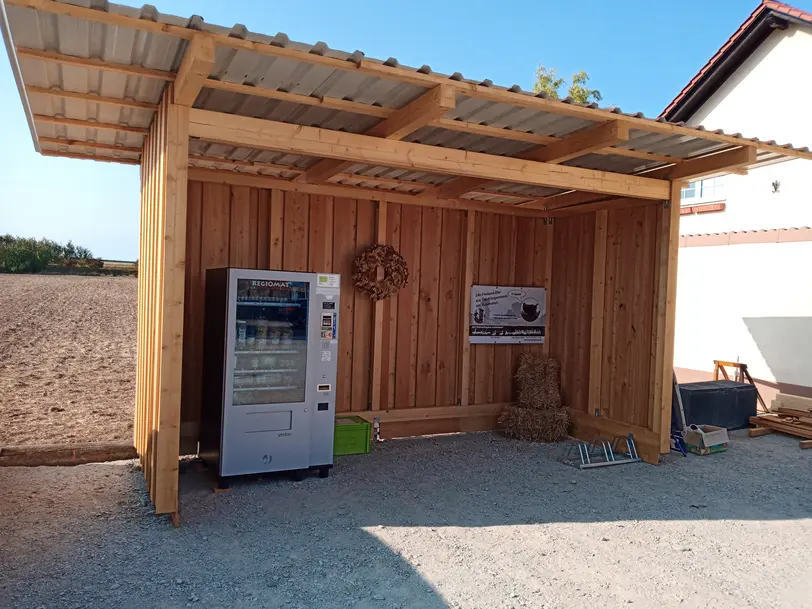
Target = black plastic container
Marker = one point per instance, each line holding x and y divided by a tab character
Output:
722	403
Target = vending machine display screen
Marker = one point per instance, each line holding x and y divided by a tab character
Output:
270	342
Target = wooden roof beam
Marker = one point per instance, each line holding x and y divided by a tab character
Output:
58	141
344	105
578	144
90	157
94	64
194	71
74	122
414	115
312	141
91	97
355	192
714	164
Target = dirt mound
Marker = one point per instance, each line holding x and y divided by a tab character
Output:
67	358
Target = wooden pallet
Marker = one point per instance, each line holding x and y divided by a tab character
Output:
784	424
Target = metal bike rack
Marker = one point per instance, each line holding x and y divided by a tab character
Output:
600	452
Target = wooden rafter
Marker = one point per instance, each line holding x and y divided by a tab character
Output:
90	157
355	192
358	177
94	64
379	70
194	71
73	122
578	144
312	141
713	164
450	124
91	97
402	122
58	141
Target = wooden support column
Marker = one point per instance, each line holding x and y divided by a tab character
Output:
378	320
465	313
162	277
598	299
665	306
548	282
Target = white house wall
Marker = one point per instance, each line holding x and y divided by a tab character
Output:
753	302
768	96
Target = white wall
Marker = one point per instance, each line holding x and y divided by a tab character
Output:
770	97
751	303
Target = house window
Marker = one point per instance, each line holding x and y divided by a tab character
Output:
704	191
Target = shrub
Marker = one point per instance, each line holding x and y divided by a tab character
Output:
26	255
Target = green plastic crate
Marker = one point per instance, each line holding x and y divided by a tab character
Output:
352	436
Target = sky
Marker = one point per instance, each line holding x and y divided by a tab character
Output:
638	53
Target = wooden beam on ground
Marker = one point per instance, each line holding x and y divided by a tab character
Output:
665	304
91	97
65	454
197	64
578	144
414	115
596	331
719	163
312	141
58	141
586	427
73	122
378	320
465	313
355	192
90	157
804	444
396	73
94	64
755	432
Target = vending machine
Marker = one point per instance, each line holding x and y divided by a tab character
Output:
269	371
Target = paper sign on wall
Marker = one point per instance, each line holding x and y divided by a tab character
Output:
507	314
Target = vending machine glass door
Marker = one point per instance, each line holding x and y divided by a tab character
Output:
270	342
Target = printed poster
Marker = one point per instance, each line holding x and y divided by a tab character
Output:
507	315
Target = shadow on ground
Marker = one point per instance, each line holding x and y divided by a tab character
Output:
469	521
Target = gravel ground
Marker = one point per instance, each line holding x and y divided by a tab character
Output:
455	521
67	358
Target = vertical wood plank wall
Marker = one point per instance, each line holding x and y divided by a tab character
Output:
421	339
161	290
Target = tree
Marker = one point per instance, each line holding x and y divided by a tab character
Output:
549	83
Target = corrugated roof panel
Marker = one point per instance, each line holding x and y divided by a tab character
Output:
85	39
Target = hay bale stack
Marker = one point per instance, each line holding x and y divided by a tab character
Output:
540	415
539	379
534	425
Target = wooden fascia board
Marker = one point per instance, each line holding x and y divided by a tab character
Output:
578	144
312	141
194	71
730	160
356	192
402	122
380	70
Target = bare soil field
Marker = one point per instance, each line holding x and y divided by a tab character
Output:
67	358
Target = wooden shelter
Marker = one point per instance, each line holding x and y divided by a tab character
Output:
260	152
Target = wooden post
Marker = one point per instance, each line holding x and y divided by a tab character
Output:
378	320
665	305
174	285
467	281
596	333
548	282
